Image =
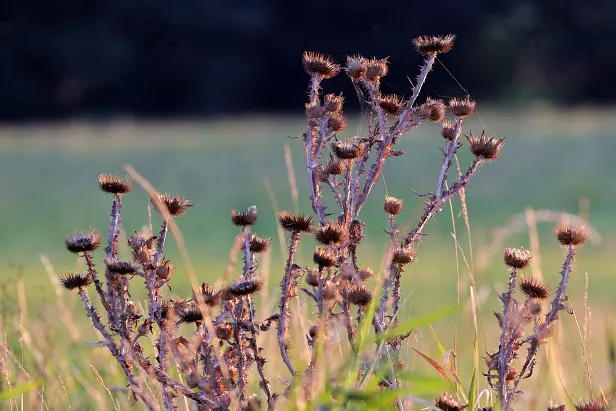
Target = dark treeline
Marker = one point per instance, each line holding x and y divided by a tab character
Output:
103	58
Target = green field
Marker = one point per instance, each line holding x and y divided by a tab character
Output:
552	160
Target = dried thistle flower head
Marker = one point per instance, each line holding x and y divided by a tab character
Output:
571	234
448	130
356	67
244	218
336	122
534	288
210	297
428	45
359	295
176	205
555	407
314	110
120	267
291	222
403	255
164	270
345	150
590	405
462	108
517	258
71	281
318	64
376	68
114	184
432	109
448	403
142	247
484	147
333	103
259	245
365	274
324	258
534	306
391	104
330	233
312	278
392	205
191	314
335	167
224	331
243	287
83	241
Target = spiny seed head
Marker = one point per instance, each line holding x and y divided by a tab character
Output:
484	147
165	270
448	130
313	332
356	67
432	109
312	278
314	110
534	306
428	45
391	104
318	64
345	150
83	241
210	297
447	403
324	258
142	247
244	287
71	281
392	205
590	405
365	274
462	108
555	407
330	233
359	294
376	68
517	258
336	122
259	245
224	331
571	234
330	291
511	375
294	222
176	205
114	184
191	314
335	167
244	218
403	255
333	103
534	288
120	267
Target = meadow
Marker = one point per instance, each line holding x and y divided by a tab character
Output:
556	160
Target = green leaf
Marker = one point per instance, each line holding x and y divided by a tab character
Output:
20	389
417	322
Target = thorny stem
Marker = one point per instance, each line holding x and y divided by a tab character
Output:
312	155
160	243
503	352
97	282
421	78
114	227
237	336
287	284
332	184
452	147
113	349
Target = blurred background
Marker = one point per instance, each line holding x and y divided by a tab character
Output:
206	99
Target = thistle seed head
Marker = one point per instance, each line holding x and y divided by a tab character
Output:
312	278
336	122
432	109
243	287
224	331
432	45
295	222
462	108
244	218
324	258
330	233
164	270
318	64
359	295
210	297
392	205
345	150
484	147
83	241
448	403
175	205
554	407
114	184
314	110
71	281
335	167
517	258
376	68
590	405
448	130
571	234
391	104
259	245
404	255
120	267
534	288
356	67
191	314
333	103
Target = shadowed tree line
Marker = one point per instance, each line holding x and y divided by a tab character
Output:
102	58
